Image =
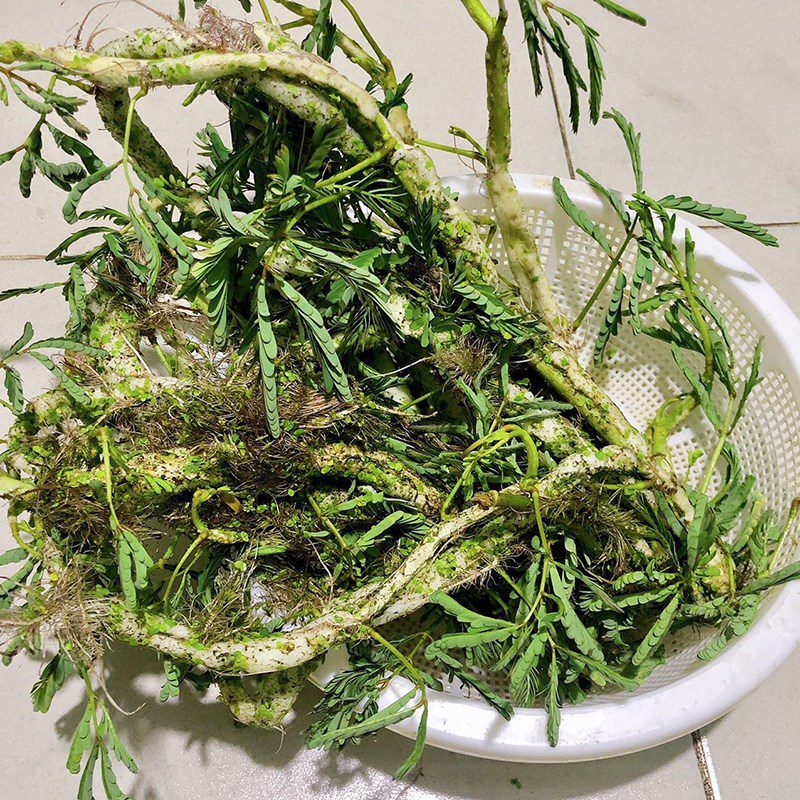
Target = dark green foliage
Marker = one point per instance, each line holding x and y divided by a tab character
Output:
267	353
174	677
24	345
724	216
75	391
34	103
52	678
632	142
611	322
13	384
621	11
543	29
7	294
613	198
134	565
552	703
75	147
97	736
82	740
657	633
321	37
151	253
579	217
313	326
70	209
349	710
397	97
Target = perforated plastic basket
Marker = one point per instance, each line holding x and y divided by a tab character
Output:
684	693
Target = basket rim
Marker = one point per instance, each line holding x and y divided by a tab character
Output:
642	719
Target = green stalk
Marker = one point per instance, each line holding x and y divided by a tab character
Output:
605	279
126	141
318	203
447	148
794	508
460	133
677	409
179	566
370	160
113	520
724	433
698	319
264	10
522	250
351	49
480	15
329	526
388	67
402	659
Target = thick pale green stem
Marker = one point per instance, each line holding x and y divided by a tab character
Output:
463	563
154	43
564	372
271	701
341	619
556	364
145	150
304	101
346	615
314	108
119	73
379	470
510	212
113	106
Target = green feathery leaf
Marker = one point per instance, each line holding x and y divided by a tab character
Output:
573	626
620	11
656	634
632	141
76	392
723	216
82	740
70	209
267	353
610	324
12	381
333	372
551	703
580	217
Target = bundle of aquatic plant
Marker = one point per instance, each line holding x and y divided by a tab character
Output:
297	400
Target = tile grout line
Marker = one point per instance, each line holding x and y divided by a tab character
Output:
705	764
24	257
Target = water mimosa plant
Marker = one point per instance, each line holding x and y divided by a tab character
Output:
297	400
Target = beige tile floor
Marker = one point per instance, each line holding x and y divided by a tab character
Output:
715	86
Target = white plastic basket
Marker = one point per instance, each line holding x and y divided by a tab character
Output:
684	693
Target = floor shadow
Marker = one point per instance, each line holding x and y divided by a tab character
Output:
133	682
